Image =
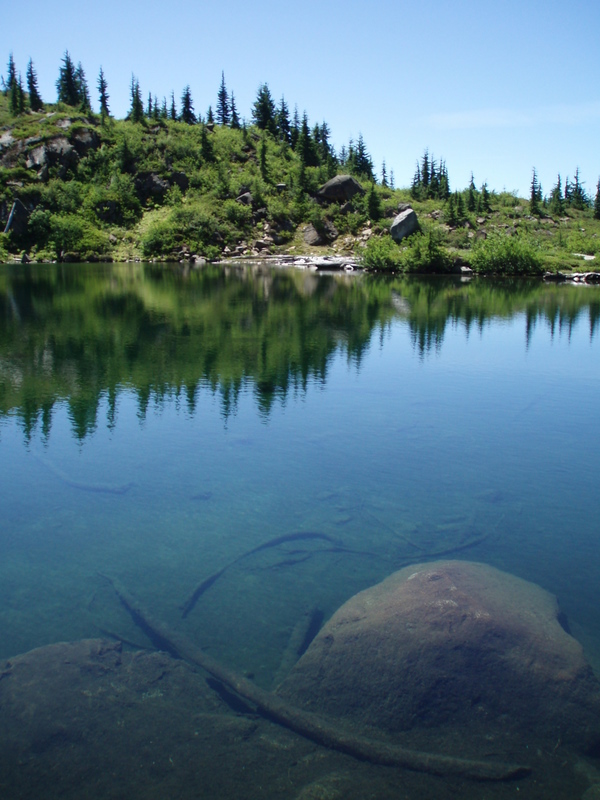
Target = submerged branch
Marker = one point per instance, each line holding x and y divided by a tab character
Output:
307	724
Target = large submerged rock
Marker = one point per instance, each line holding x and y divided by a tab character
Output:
454	645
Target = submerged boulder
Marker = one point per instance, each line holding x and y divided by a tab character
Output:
454	645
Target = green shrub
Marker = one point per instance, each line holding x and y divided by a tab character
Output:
3	246
424	253
506	255
382	253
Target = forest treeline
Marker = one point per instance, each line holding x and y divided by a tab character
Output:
170	182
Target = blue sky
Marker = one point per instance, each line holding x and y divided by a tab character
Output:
494	88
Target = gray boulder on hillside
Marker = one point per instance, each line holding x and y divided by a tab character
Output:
404	224
341	188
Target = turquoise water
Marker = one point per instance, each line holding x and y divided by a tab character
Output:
158	425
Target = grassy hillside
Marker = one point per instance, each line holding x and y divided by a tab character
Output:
165	190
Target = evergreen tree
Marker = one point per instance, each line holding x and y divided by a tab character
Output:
103	93
568	191
17	96
210	120
471	195
156	109
223	105
325	149
187	108
82	89
282	120
579	199
295	131
450	211
557	205
305	146
149	107
597	202
392	179
263	110
535	194
483	204
35	101
415	186
425	173
343	156
66	85
164	113
136	112
173	111
384	179
373	203
363	163
11	74
235	120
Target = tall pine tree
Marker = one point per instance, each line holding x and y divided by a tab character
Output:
557	205
535	194
235	120
11	74
136	112
35	101
103	94
223	104
263	110
17	96
187	109
66	85
284	129
82	89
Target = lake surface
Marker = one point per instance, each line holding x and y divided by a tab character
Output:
158	425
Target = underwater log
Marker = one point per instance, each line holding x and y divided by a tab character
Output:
308	724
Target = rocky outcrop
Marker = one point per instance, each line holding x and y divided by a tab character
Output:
457	646
340	189
150	185
314	237
404	224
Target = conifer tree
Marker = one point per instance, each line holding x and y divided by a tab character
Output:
471	195
415	186
483	203
82	89
557	205
363	164
164	113
210	120
150	106
235	120
187	108
579	198
325	149
103	93
392	179
305	146
263	110
136	112
17	96
223	104
11	74
35	101
155	109
384	179
343	156
66	85
597	202
206	150
373	203
173	111
425	173
535	193
283	125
